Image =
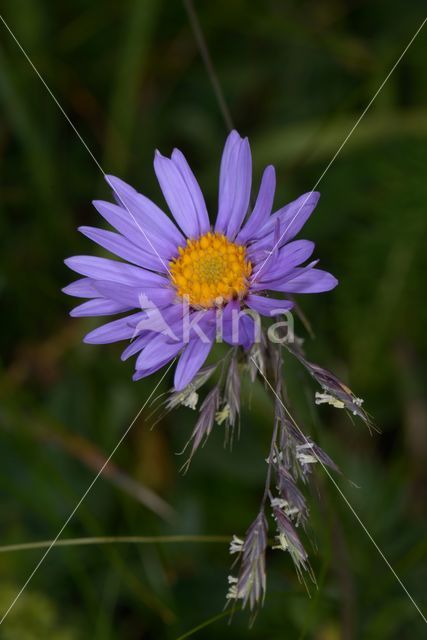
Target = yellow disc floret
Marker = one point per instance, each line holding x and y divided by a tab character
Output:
211	270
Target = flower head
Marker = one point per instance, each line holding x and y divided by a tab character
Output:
178	277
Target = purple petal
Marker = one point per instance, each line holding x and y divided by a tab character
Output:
263	206
275	266
167	321
122	329
243	182
177	195
147	214
235	185
238	326
192	358
123	248
268	306
82	288
291	219
158	350
144	373
99	307
226	181
119	218
136	345
134	296
194	191
183	322
308	281
271	284
231	148
248	331
106	269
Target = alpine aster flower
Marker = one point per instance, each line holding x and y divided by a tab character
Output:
180	277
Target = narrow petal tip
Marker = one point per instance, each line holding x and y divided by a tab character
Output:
334	282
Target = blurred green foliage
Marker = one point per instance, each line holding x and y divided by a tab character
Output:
34	617
296	76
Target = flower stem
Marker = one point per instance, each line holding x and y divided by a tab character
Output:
77	542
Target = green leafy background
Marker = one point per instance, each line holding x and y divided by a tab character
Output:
296	76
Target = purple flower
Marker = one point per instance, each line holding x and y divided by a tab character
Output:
180	278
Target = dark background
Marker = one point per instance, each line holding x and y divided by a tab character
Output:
296	76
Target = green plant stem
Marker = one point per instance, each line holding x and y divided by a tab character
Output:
79	542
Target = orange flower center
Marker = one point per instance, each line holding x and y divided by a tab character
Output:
211	271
